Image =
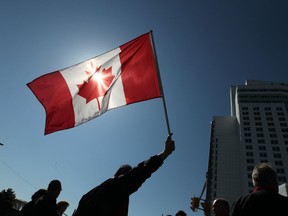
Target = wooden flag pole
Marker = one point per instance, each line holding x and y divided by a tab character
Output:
160	82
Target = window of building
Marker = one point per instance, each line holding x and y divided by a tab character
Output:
256	113
263	154
280	171
261	141
277	155
248	147
273	135
278	163
250	160
262	148
258	123
250	168
257	118
247	134
248	141
250	154
267	108
275	148
272	129
282	119
270	124
269	119
255	108
260	135
274	141
268	113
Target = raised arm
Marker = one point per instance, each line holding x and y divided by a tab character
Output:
169	147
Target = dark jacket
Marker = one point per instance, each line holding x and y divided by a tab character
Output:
45	206
28	209
111	198
262	203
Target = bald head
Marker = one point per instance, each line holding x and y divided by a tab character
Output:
220	207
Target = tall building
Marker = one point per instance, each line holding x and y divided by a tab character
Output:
256	131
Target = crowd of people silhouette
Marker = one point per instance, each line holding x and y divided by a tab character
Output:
111	197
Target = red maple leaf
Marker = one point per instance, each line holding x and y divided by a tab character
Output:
97	83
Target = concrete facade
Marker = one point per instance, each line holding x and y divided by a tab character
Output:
256	131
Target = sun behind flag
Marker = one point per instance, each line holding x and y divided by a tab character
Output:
77	94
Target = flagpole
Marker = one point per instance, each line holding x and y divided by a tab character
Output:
160	82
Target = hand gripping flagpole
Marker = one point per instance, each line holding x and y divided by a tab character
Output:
160	82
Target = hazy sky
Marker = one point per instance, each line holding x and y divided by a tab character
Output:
203	47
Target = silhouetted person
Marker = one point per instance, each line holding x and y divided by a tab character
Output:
180	213
28	208
46	204
265	199
4	205
61	207
220	207
111	198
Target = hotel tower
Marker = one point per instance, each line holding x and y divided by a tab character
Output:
256	131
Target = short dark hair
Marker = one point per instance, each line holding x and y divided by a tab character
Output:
38	194
54	184
180	213
62	203
123	170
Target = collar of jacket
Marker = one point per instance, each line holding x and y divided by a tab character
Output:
266	188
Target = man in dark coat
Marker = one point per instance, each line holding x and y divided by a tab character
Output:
265	199
46	204
28	208
111	198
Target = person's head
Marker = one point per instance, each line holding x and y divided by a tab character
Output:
54	188
38	194
263	175
62	206
123	170
220	207
180	213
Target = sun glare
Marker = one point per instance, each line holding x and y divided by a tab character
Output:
98	77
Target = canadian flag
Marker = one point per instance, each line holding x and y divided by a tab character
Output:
77	94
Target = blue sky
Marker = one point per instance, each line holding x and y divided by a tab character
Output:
203	47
